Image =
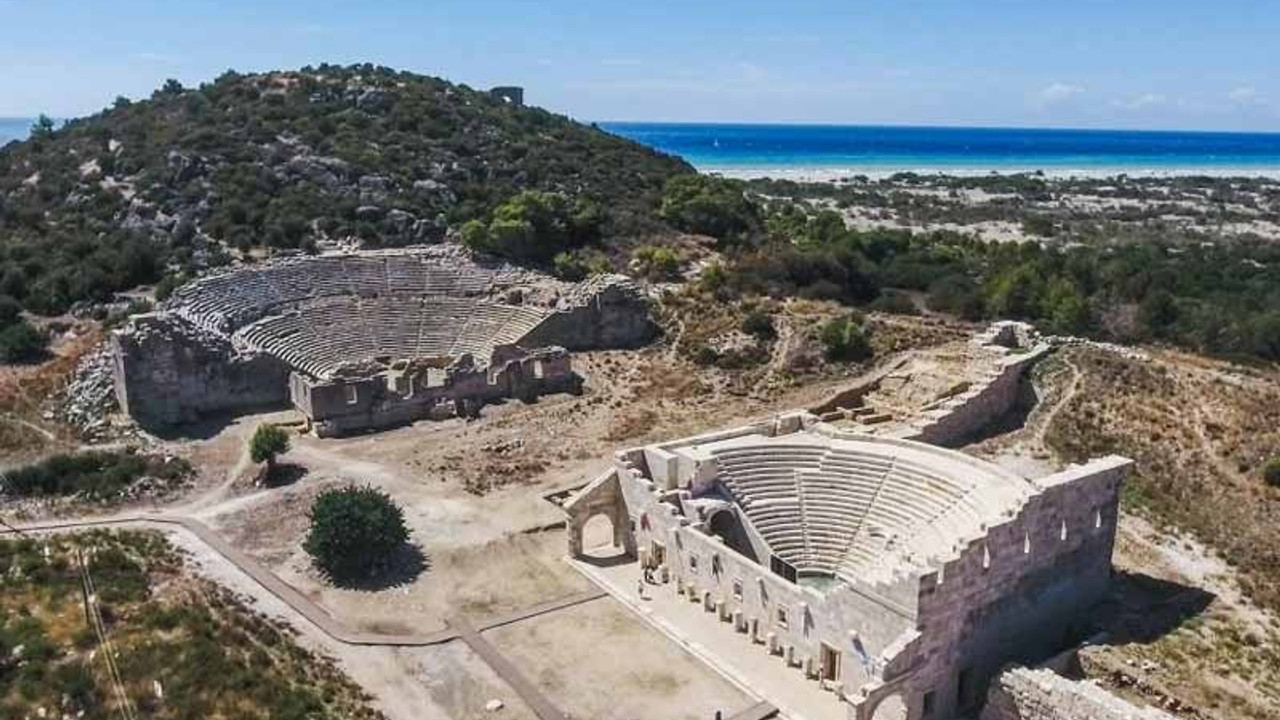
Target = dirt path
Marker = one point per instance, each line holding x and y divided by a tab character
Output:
1025	449
1042	423
30	426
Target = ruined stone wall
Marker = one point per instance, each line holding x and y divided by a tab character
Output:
866	625
168	371
959	418
1015	594
349	405
1024	694
604	313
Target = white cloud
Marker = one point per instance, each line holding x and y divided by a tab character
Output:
1056	94
1141	102
1247	95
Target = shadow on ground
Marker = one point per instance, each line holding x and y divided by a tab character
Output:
210	425
405	567
607	561
284	475
1142	608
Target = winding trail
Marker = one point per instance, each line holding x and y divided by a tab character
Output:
13	419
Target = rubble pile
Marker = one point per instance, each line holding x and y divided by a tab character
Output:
89	399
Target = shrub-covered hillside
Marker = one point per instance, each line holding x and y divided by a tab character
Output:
287	159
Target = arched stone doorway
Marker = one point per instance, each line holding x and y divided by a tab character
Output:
599	539
597	513
893	707
726	525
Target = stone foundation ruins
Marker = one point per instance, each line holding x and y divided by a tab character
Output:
894	573
981	383
1041	694
368	340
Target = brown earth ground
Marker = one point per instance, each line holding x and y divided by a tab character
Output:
1192	625
24	435
490	543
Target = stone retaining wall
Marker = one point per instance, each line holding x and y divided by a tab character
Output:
1024	694
167	371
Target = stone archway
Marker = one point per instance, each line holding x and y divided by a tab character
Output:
600	538
893	707
726	525
602	497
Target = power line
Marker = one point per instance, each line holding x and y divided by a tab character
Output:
92	611
104	643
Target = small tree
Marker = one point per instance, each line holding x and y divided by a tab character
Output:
1271	472
355	531
267	443
845	340
20	342
759	324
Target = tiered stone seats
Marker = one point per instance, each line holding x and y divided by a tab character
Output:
318	337
229	301
844	508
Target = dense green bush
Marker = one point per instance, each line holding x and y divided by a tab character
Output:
656	263
759	324
1271	472
535	226
958	295
93	475
355	532
21	342
845	339
576	265
709	205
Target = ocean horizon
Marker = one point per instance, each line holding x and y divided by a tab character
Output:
14	129
832	151
824	152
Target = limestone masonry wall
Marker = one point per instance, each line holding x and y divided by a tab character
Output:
958	419
1024	694
168	371
607	312
1014	593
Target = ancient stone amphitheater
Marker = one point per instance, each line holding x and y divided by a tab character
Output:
895	573
368	340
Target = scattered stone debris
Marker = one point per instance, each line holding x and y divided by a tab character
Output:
1124	351
88	401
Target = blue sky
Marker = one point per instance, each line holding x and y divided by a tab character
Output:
1060	63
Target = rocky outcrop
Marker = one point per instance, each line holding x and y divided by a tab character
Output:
87	401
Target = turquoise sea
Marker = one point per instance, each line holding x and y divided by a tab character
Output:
13	129
820	151
836	150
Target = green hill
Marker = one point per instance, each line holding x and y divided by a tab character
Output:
286	160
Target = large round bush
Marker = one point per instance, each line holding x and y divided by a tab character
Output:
355	532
